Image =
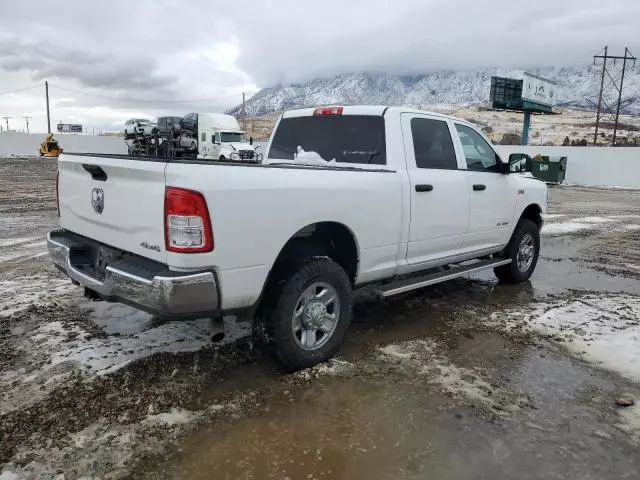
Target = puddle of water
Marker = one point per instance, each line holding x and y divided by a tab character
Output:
557	277
387	425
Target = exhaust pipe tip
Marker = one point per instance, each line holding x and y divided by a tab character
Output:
217	329
217	337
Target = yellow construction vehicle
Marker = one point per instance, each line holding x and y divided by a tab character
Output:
50	147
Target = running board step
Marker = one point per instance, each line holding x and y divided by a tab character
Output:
402	286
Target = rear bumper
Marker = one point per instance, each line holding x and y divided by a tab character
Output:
134	280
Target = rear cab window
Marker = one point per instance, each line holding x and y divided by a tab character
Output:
348	139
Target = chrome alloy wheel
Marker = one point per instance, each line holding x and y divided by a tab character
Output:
315	316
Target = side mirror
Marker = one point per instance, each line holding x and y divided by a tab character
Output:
520	162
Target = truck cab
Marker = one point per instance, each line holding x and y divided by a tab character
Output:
220	138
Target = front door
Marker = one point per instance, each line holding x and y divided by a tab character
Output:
439	194
492	197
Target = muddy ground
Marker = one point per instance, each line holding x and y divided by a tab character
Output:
469	379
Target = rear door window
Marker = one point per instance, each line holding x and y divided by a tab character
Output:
432	144
344	138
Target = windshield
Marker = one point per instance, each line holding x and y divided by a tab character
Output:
228	137
347	139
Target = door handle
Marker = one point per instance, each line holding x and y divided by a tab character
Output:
479	187
96	172
423	187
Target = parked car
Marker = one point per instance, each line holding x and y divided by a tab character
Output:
347	196
189	123
137	126
188	142
167	124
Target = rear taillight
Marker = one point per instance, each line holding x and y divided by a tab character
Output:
187	222
58	191
327	111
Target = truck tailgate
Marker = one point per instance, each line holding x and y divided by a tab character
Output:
114	200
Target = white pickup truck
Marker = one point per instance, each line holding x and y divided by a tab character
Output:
347	196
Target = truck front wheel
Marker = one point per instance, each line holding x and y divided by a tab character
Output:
523	250
311	315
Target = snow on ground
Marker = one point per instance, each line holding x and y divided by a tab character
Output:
596	220
603	329
421	358
175	416
20	293
600	329
630	422
564	228
17	241
105	355
116	335
563	224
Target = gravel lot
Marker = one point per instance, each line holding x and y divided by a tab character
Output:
469	379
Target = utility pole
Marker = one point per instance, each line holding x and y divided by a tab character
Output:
244	114
46	89
6	119
26	119
624	67
617	82
604	69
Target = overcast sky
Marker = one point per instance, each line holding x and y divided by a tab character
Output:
154	54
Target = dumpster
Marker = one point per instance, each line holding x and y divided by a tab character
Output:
549	169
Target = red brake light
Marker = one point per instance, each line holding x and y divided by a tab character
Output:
328	111
187	223
58	191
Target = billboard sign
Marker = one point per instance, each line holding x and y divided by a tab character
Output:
539	90
69	128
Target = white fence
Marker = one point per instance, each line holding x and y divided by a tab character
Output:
591	166
29	144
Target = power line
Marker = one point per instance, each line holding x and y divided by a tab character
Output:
22	89
141	100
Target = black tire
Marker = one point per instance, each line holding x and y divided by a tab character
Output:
512	273
222	159
289	354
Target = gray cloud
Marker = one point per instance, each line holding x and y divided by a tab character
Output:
171	49
303	40
96	70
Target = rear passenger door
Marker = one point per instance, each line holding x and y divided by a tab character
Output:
439	194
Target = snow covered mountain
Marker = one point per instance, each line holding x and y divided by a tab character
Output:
438	90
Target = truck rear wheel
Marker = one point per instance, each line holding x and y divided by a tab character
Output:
523	250
311	315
